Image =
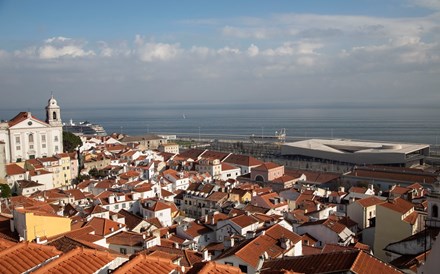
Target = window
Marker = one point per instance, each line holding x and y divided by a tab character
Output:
56	138
123	250
18	148
43	145
243	268
31	146
43	138
54	115
434	211
229	263
31	138
56	148
17	139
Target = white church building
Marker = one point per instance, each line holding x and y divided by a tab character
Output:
27	137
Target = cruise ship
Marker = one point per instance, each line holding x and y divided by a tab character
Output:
84	128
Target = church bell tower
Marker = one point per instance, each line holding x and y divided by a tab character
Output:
53	113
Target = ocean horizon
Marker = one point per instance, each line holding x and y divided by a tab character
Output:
392	124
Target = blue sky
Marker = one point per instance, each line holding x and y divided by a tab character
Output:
123	52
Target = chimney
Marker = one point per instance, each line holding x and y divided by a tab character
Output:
285	243
250	234
206	256
341	189
229	242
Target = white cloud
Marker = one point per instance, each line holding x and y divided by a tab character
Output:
51	52
253	50
57	39
256	33
150	51
158	51
202	51
228	51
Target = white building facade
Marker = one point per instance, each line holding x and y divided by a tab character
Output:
27	137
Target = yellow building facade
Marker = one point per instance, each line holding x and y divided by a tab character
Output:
35	224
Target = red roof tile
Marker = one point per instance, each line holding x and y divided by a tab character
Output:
14	169
147	264
24	256
78	260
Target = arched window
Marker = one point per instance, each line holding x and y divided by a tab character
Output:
31	138
259	178
54	115
434	211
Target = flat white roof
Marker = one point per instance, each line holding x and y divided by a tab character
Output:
355	146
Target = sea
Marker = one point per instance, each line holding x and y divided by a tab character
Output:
241	121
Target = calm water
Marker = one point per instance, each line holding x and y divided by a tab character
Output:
419	125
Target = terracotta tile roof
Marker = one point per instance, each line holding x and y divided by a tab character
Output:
328	248
66	244
155	205
209	154
129	174
147	264
250	250
266	166
104	226
194	229
22	116
213	268
329	223
369	201
395	174
243	160
398	204
214	218
217	196
188	257
191	153
226	166
154	221
283	179
255	209
243	220
4	244
78	260
310	250
356	189
131	220
411	218
27	183
126	238
400	190
354	261
24	256
411	262
14	169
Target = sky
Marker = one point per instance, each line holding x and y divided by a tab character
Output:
299	53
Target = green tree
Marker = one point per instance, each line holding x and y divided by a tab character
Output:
5	190
71	141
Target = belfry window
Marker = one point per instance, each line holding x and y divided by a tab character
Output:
435	211
54	115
